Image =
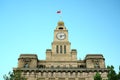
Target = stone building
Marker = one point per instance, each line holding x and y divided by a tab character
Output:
61	61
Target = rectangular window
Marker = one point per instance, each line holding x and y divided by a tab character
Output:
60	48
64	49
57	49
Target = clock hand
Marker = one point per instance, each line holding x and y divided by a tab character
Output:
61	36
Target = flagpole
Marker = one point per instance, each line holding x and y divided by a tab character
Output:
60	18
59	12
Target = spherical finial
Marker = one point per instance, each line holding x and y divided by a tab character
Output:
60	23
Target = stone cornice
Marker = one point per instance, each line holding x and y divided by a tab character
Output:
63	69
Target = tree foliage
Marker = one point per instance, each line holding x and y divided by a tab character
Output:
16	75
118	74
97	76
112	74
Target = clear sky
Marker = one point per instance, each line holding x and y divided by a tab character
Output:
26	26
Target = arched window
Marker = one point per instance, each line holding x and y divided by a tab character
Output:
96	65
26	65
57	49
60	48
64	49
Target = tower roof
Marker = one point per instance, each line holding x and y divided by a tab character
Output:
60	23
60	26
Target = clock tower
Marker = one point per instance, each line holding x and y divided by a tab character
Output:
61	61
61	50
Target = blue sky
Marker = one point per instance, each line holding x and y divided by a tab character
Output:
26	26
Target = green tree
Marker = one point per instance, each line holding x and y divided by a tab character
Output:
112	74
97	76
16	75
119	74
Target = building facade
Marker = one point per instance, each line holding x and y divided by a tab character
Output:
61	61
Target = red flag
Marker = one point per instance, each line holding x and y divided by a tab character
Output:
58	12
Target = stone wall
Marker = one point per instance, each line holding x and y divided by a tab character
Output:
62	75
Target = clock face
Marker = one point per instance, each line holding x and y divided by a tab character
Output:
61	36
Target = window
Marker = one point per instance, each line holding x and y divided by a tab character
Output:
81	66
41	73
58	66
64	49
71	73
96	65
41	66
60	48
26	65
57	49
52	66
52	74
60	28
